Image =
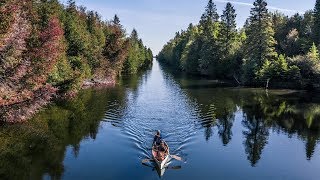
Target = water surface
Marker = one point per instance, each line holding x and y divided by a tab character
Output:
221	133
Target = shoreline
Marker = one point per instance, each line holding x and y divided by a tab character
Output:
21	112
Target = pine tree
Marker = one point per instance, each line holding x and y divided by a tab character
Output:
116	20
228	31
210	13
208	40
91	22
260	43
134	35
71	5
316	27
314	53
209	17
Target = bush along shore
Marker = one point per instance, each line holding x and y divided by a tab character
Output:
271	50
50	50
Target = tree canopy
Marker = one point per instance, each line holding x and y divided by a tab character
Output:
48	49
270	49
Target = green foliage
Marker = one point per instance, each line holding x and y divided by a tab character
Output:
260	42
314	53
138	57
279	71
49	48
76	35
309	68
294	35
191	59
61	73
209	17
316	27
97	39
266	70
228	28
207	48
217	49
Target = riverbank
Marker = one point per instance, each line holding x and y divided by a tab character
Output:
99	83
237	81
49	50
22	111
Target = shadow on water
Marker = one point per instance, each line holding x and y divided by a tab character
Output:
30	150
186	110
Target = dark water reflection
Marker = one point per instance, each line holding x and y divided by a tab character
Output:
222	133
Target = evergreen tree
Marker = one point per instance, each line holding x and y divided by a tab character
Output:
137	54
134	35
217	49
314	53
209	45
260	43
71	5
116	20
91	21
209	18
280	22
210	13
46	46
316	27
228	27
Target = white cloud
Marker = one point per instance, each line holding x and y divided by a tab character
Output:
251	5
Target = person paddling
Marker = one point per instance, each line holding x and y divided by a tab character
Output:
160	146
162	150
157	139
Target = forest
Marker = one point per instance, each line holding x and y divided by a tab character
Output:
50	50
271	50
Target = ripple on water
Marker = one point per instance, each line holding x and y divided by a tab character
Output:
157	105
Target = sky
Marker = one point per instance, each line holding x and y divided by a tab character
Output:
157	21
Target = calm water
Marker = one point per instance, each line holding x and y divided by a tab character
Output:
221	133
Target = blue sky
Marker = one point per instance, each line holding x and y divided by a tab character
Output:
158	20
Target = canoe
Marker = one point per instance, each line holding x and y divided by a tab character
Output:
161	164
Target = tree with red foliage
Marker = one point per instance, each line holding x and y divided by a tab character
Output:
45	46
116	48
45	56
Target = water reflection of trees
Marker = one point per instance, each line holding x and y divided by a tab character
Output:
256	137
215	108
255	131
37	148
225	123
302	119
285	113
28	151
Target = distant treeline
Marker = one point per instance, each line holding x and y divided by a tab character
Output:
48	49
270	50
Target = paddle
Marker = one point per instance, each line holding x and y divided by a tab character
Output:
175	167
146	161
176	157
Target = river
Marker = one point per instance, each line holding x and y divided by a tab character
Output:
220	132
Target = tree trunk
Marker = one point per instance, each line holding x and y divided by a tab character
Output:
267	84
